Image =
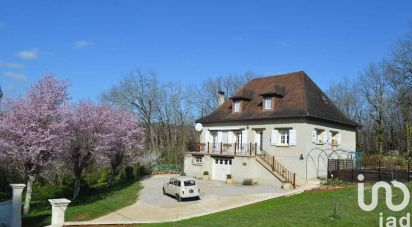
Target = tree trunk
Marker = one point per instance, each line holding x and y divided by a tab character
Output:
111	176
27	200
77	183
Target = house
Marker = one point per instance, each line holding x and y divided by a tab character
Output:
266	132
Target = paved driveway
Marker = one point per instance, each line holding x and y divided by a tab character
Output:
153	206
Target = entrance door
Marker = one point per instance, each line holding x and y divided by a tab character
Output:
221	167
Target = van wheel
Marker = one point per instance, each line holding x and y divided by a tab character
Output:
178	198
164	192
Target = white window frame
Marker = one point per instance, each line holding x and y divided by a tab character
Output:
320	136
335	136
236	106
198	160
214	139
268	103
284	137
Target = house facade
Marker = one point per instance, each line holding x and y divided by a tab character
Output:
266	133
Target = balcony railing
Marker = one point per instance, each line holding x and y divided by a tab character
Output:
232	149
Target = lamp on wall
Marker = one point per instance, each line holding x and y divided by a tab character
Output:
301	157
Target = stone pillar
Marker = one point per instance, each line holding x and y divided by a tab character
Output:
58	208
16	205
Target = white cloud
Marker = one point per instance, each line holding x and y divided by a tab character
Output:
14	76
28	54
82	43
11	65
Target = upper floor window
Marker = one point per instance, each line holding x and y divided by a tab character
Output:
268	103
237	106
319	136
284	137
336	138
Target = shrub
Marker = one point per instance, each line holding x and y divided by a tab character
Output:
104	175
5	196
229	176
140	171
247	182
206	173
90	178
182	174
128	172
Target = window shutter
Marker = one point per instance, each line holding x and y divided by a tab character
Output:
206	136
274	137
329	138
292	137
229	137
219	136
339	136
244	137
314	135
325	137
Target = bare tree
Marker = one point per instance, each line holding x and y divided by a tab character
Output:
204	98
400	68
163	110
374	86
138	92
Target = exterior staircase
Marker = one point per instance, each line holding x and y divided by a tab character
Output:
278	170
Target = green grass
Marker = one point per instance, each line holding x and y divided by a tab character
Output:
306	209
93	202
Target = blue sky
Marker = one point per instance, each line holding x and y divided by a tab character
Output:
94	43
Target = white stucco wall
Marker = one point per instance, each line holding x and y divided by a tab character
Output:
5	212
313	164
242	168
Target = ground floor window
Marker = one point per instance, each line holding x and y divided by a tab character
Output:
223	161
197	159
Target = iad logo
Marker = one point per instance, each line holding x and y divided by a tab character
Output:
388	190
390	221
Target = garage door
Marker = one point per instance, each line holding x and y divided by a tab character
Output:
221	167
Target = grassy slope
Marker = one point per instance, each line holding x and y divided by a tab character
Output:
307	209
98	202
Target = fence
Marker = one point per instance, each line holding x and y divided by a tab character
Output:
348	170
232	149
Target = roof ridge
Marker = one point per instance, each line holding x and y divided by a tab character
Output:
282	74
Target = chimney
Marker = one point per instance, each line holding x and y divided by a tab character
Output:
221	98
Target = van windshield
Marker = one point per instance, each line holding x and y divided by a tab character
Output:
190	183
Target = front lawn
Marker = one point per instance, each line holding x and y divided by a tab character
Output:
93	202
307	209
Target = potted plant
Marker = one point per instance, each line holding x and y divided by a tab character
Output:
229	179
205	175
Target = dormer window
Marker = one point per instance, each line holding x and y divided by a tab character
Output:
236	106
268	103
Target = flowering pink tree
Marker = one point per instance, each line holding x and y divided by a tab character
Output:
31	129
85	123
120	140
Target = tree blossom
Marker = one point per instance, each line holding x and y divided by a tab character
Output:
85	122
121	138
32	129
